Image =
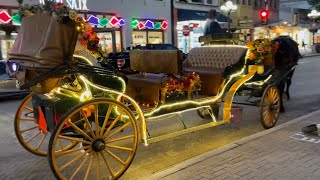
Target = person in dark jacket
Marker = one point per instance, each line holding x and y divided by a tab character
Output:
212	26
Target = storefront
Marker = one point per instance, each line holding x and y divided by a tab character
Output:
195	20
299	34
108	27
9	25
148	31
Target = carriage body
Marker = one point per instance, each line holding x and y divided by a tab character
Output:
93	110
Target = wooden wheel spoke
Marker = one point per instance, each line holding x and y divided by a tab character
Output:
87	123
96	120
79	130
74	160
112	125
73	139
105	122
98	166
60	143
115	157
33	137
119	147
107	164
120	139
26	119
118	130
29	108
86	148
29	129
89	168
41	141
78	169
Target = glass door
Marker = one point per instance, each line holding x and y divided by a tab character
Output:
106	42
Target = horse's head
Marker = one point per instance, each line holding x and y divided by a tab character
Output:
287	53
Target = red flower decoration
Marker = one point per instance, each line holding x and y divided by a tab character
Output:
57	6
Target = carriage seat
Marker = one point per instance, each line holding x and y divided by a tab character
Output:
155	65
211	63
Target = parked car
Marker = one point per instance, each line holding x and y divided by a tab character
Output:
121	60
8	85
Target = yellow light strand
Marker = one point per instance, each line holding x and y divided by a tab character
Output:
183	111
83	58
210	100
259	83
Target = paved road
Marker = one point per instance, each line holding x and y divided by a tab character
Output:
17	163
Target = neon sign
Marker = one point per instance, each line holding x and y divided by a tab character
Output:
73	4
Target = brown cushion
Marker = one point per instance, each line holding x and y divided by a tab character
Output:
155	61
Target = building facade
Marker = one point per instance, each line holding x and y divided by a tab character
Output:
294	13
119	23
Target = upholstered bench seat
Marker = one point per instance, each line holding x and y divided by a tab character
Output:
210	63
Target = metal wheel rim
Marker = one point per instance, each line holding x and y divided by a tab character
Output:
88	156
270	107
41	148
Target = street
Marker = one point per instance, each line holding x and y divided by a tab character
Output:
17	163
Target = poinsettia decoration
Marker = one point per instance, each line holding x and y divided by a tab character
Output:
261	49
90	39
187	83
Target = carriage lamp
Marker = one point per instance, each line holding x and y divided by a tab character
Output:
13	67
228	8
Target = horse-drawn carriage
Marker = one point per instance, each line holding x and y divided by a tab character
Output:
95	119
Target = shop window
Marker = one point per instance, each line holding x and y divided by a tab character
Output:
238	1
118	41
249	2
105	42
244	2
139	38
196	1
255	3
154	37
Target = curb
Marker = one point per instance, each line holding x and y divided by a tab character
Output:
313	55
197	159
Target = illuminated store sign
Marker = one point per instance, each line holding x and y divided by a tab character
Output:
73	4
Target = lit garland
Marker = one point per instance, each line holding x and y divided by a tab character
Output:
195	102
183	111
260	83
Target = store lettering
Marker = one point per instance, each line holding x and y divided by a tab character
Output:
74	4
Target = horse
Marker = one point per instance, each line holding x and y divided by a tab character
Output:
286	58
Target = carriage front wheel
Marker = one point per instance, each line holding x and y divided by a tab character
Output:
270	107
107	134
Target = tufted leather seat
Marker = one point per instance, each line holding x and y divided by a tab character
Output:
211	62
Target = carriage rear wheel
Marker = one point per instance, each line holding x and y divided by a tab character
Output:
28	132
107	134
270	107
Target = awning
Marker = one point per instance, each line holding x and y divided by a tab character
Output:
186	15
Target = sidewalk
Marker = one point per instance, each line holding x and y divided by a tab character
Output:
278	153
